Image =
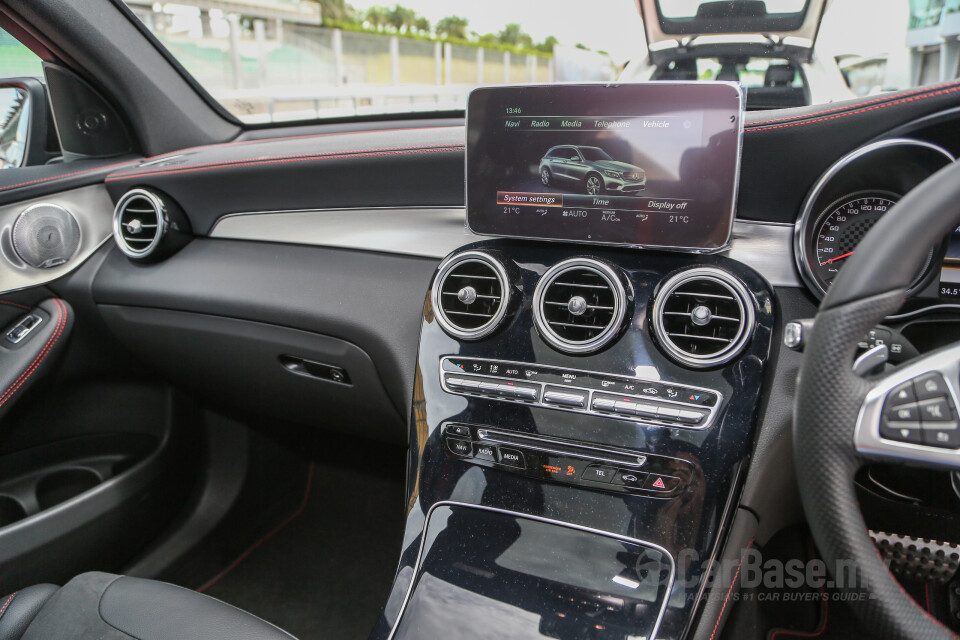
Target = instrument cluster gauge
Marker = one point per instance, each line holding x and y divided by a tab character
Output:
834	235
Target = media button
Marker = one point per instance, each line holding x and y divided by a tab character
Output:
512	458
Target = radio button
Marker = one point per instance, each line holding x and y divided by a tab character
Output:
484	452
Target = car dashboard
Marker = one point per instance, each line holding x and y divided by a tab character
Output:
579	479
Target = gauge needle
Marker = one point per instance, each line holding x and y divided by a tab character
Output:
846	255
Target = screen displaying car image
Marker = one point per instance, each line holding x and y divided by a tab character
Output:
652	165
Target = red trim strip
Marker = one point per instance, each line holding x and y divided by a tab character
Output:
953	89
280	161
730	591
898	95
225	164
246	554
66	175
19	382
14	304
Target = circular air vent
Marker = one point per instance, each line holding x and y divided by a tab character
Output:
471	294
139	223
703	317
579	305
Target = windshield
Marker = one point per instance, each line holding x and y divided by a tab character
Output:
592	154
271	61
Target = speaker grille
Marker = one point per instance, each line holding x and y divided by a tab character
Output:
46	235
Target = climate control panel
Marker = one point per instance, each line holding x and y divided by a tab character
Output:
651	402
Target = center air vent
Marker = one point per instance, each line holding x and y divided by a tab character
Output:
471	295
703	317
139	223
579	305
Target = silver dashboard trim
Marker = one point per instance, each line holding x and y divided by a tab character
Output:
93	210
435	232
807	212
448	503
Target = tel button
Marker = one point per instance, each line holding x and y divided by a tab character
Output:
597	473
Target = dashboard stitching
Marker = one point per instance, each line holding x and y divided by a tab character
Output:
252	162
953	89
307	136
66	175
19	382
228	163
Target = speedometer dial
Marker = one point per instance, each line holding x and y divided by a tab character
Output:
839	230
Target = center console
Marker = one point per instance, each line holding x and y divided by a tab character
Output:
583	411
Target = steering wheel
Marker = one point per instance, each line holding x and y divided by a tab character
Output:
843	421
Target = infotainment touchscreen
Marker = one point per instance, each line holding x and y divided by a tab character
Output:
652	165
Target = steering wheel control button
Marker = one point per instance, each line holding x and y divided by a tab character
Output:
661	483
901	431
903	394
931	385
596	473
934	411
903	413
630	479
484	452
944	434
512	458
459	447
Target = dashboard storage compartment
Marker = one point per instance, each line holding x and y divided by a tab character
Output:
542	579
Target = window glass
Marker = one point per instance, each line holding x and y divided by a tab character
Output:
16	60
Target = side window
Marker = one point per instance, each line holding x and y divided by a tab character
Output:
17	61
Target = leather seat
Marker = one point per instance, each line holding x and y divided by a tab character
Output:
101	606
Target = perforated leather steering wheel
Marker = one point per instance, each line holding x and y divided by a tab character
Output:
843	421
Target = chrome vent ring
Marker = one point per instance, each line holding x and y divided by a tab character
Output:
579	305
703	317
471	294
139	223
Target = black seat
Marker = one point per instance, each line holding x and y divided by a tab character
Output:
101	606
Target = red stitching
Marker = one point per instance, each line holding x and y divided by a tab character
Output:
729	591
14	304
861	104
853	113
914	602
260	162
245	554
225	164
66	175
19	382
7	603
299	137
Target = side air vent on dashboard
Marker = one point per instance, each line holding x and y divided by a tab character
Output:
139	223
470	295
579	305
144	222
703	317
